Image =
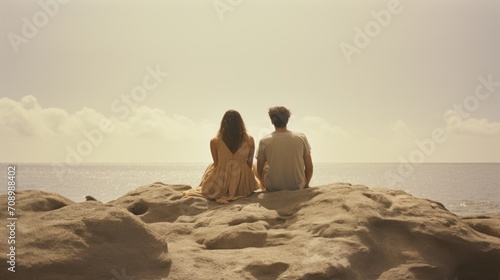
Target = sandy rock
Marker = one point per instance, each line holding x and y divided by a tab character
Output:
266	271
353	232
82	241
234	237
39	201
337	231
487	224
160	203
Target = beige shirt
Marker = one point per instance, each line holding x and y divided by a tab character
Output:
284	153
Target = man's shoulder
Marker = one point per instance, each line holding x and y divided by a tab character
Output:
266	138
302	139
299	134
292	134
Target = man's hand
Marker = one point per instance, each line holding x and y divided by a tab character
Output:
257	171
308	169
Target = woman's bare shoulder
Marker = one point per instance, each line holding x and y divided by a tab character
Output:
214	141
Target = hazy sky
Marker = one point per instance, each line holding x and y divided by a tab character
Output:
148	81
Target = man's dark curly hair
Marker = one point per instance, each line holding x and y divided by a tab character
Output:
279	116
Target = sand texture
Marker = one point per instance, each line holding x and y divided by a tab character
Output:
337	231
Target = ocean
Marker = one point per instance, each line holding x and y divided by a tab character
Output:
464	188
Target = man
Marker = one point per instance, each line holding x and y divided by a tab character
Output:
284	157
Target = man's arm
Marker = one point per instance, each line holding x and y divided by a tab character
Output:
260	168
259	173
308	169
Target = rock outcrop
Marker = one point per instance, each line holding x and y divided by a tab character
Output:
59	239
330	232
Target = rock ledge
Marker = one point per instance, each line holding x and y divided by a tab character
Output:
337	231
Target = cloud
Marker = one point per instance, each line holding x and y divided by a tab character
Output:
29	103
32	133
471	126
38	134
334	143
154	123
13	118
480	127
318	125
27	118
400	126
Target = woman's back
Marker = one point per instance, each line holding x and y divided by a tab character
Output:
230	176
225	155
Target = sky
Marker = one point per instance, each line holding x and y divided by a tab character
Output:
149	81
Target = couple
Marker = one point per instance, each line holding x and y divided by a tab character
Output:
283	160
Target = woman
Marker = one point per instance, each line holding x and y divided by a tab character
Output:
230	176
